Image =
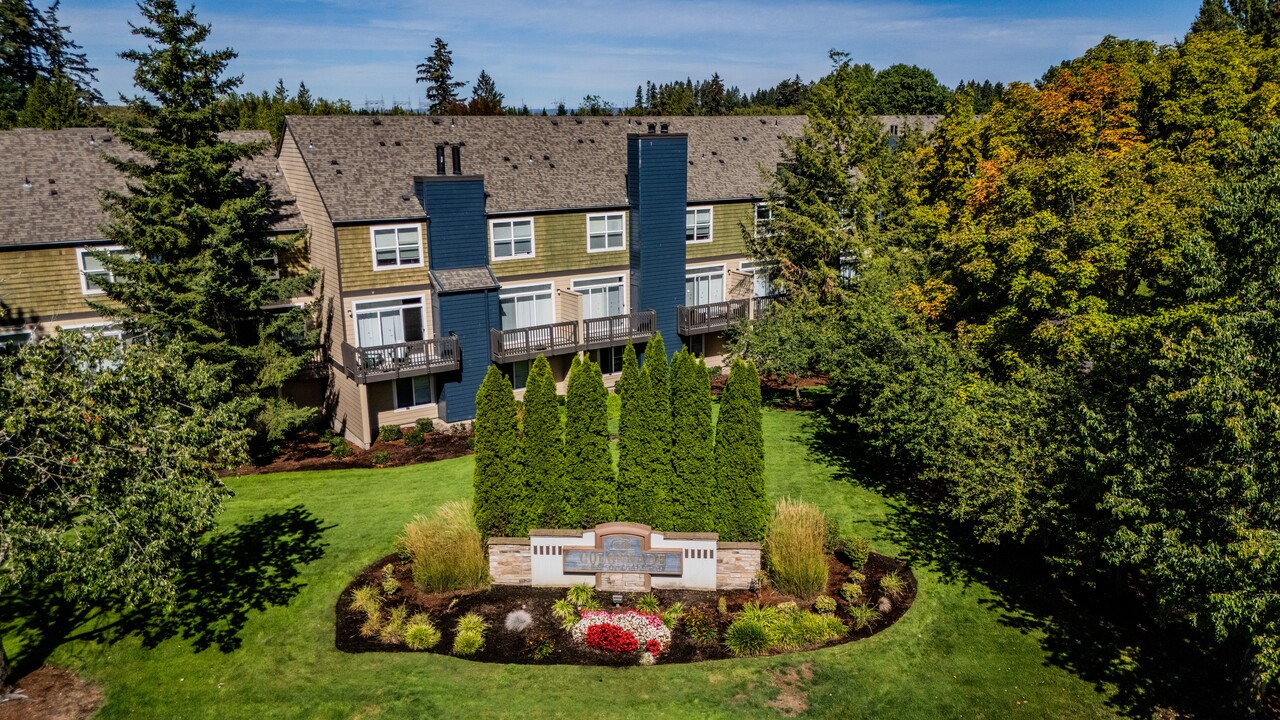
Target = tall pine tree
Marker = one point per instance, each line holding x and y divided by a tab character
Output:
660	475
693	481
437	72
543	447
741	510
200	225
498	484
589	481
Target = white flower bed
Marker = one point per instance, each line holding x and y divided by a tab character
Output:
643	627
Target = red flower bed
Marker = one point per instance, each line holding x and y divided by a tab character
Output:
654	647
611	638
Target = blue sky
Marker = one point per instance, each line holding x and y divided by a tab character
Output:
544	52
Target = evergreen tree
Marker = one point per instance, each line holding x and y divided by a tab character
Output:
660	476
63	59
630	437
691	430
437	72
498	487
303	99
199	225
713	96
589	479
33	46
741	509
54	105
485	98
543	447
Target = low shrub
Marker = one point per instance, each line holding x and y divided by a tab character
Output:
626	631
892	584
389	582
612	638
795	549
539	646
850	591
858	549
700	624
581	595
722	605
746	636
425	425
672	615
863	615
825	605
647	603
811	629
414	438
390	433
341	449
392	633
421	633
857	577
567	612
381	457
446	549
469	636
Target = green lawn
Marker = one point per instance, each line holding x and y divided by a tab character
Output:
951	656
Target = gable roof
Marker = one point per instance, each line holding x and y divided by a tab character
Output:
50	180
364	166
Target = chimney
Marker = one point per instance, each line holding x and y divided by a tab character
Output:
457	159
439	159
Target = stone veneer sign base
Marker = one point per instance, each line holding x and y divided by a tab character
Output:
623	557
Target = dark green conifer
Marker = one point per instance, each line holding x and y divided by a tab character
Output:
659	476
691	430
589	481
741	510
631	432
498	483
543	447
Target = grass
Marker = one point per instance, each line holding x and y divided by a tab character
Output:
794	552
446	549
954	655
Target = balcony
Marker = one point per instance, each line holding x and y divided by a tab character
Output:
617	330
388	362
525	343
563	338
698	319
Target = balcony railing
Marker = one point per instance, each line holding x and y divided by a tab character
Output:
698	319
760	306
617	330
524	343
387	362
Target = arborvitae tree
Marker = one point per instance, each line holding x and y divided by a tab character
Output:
543	447
741	509
498	484
691	433
485	98
631	432
196	228
437	72
588	474
657	372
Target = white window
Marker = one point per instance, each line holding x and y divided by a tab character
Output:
606	232
526	306
703	286
389	322
512	238
609	359
413	391
601	297
396	246
764	216
761	285
697	225
93	273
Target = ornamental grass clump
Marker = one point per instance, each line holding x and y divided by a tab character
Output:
863	615
392	632
795	549
761	628
420	633
368	600
892	584
446	549
468	638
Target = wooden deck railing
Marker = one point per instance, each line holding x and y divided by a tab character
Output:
697	319
524	343
386	362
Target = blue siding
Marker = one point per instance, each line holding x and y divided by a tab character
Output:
457	233
657	183
469	316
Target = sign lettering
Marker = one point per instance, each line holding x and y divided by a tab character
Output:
623	553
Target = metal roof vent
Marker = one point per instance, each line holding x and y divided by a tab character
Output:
26	183
377	121
653	128
665	128
92	141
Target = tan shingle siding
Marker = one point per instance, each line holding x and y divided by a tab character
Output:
40	284
355	251
727	222
560	245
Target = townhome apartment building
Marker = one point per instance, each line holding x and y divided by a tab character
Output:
447	244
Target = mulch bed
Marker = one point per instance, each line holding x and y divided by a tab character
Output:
307	452
777	390
53	694
503	646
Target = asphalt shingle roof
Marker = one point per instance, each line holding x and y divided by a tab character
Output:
364	166
50	180
464	279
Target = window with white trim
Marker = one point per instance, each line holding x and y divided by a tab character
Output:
764	216
697	225
511	238
602	297
525	306
703	286
413	392
609	359
389	322
93	273
396	246
761	285
606	232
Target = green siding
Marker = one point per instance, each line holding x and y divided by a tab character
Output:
559	245
727	223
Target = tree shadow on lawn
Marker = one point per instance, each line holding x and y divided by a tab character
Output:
239	571
1102	633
